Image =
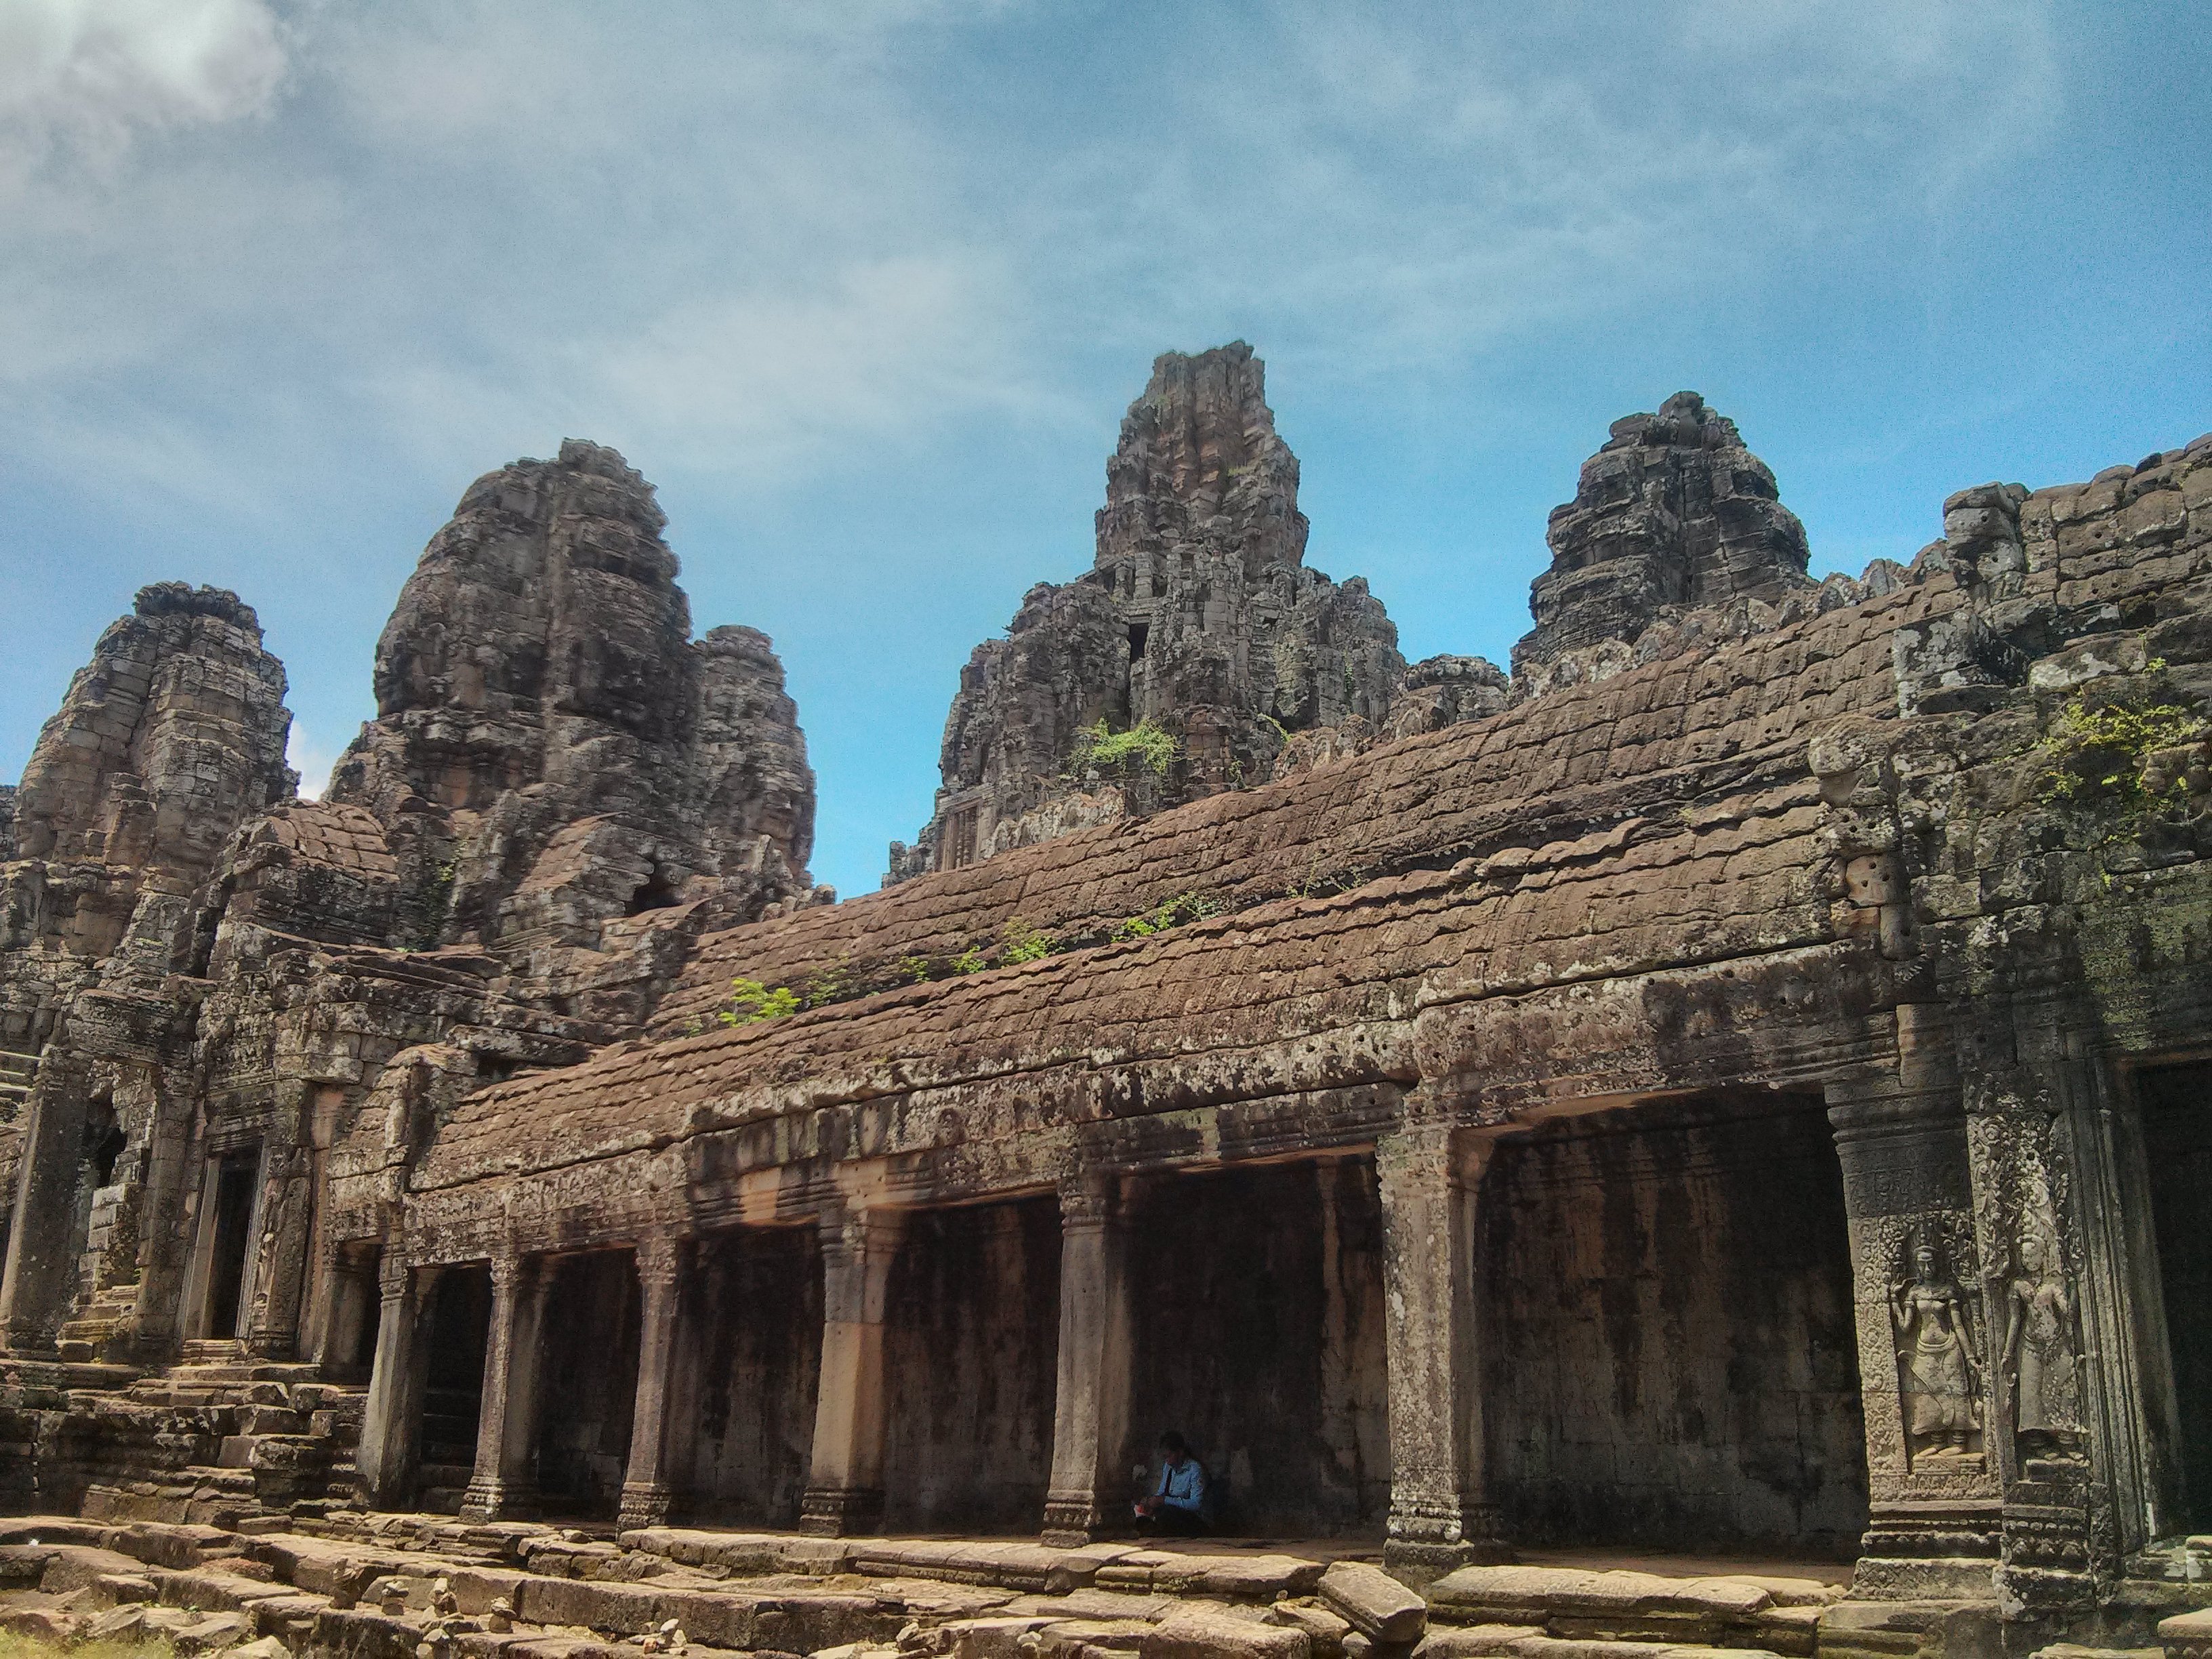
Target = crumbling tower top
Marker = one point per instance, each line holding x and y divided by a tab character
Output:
1673	512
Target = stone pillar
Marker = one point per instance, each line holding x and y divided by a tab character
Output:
41	1261
2072	1404
503	1484
1441	1515
844	1484
393	1423
1090	1489
646	1492
349	1289
1935	1524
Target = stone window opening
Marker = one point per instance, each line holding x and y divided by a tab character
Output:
960	839
104	1144
1667	1326
458	1327
1260	1336
1138	634
656	892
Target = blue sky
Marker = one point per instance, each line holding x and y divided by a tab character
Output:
864	287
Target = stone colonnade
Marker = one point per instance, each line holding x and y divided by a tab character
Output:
1437	1512
1971	1464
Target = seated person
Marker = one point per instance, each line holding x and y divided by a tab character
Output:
1178	1504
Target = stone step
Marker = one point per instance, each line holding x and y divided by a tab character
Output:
1530	1642
1777	1614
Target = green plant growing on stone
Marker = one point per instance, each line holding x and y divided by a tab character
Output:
751	1002
969	961
1147	744
917	969
1186	906
1018	942
2096	761
831	984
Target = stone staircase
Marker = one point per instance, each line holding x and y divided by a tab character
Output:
270	1435
448	1449
17	1071
84	1340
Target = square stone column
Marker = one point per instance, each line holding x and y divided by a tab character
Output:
647	1492
2077	1394
1441	1515
1089	1494
844	1485
503	1486
391	1425
1935	1522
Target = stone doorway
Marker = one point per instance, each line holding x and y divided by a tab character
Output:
1259	1336
459	1331
971	1341
234	1186
1670	1357
587	1383
2176	1118
742	1410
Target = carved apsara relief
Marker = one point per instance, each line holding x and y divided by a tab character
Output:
1936	1324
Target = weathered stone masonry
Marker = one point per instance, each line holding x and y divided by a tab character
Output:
1739	1084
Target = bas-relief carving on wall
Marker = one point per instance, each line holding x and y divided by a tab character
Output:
2042	1341
1936	1327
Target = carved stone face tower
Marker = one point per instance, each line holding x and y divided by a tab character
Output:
1198	614
1673	514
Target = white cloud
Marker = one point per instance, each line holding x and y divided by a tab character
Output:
312	760
85	73
749	239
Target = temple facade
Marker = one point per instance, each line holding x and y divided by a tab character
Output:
1740	1084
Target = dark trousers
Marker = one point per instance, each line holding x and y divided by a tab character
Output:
1172	1522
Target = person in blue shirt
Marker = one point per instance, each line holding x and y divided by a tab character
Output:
1178	1503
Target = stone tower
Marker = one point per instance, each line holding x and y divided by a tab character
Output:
551	750
1673	514
1198	616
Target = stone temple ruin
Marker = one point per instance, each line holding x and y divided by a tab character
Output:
1734	1089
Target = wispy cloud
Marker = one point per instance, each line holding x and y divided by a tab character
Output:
85	76
750	238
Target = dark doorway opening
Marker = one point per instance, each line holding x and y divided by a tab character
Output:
1138	633
587	1383
2177	1112
749	1360
453	1384
971	1343
228	1243
1671	1351
1259	1337
104	1144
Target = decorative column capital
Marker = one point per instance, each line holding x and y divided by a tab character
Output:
660	1261
1431	1157
1091	1199
395	1276
511	1274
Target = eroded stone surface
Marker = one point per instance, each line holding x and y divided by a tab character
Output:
1198	614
